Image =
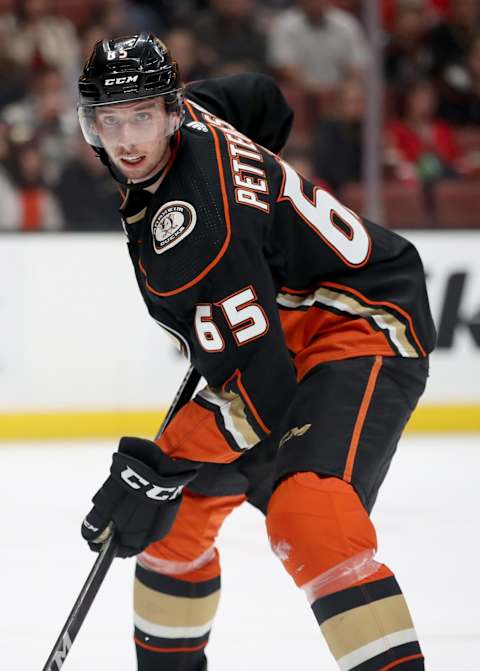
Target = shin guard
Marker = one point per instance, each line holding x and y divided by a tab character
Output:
177	587
321	532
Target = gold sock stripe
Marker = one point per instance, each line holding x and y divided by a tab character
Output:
166	610
353	629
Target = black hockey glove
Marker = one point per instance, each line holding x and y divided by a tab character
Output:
141	497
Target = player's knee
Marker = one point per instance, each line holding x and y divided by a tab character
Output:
320	530
181	555
188	551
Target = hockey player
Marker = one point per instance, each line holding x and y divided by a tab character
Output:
311	327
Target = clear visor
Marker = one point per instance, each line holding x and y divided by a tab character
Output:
135	122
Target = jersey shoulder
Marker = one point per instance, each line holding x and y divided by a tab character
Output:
252	102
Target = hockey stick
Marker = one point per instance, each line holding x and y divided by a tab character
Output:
109	549
183	395
82	606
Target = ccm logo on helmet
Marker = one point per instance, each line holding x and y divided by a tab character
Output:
121	80
155	492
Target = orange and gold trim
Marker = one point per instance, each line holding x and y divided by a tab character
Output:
362	413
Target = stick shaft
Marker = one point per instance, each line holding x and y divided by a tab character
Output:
81	606
109	549
183	395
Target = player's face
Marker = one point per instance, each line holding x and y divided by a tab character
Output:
134	135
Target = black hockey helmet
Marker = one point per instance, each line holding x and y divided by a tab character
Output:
125	69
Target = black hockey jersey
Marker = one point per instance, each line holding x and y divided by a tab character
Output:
257	274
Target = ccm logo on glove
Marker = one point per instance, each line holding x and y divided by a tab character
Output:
140	498
155	492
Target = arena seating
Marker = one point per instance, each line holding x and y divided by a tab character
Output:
457	203
404	205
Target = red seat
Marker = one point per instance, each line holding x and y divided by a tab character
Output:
467	138
78	11
303	118
458	203
351	195
404	204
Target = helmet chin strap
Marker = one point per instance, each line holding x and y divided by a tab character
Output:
134	186
121	179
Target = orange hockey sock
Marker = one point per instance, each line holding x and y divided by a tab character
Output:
177	587
321	532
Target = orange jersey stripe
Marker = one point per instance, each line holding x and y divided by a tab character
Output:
298	292
191	110
249	402
367	397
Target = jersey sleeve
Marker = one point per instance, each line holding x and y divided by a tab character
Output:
251	102
362	284
249	370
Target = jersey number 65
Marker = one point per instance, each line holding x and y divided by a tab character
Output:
247	320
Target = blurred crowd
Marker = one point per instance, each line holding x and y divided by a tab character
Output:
319	53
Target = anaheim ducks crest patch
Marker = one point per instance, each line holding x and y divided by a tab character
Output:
173	222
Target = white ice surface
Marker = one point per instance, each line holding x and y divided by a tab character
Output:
427	522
